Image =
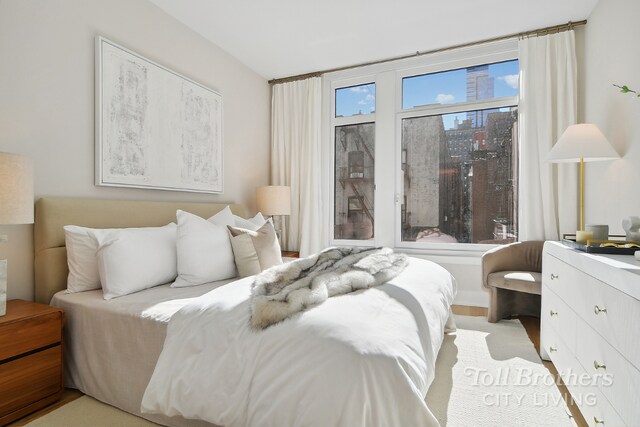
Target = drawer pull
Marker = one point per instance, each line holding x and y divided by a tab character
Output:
553	313
598	310
597	421
597	365
552	349
554	276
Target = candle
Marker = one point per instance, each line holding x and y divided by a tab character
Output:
583	236
600	232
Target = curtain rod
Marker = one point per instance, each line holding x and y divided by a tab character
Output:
533	33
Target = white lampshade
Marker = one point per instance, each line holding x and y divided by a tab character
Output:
583	141
274	200
16	189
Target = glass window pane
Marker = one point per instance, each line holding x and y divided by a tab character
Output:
466	84
354	185
460	177
356	100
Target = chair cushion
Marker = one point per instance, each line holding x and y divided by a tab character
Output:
522	281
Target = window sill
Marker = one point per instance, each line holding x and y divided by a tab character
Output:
448	256
447	253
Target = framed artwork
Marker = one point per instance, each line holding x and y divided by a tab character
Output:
154	127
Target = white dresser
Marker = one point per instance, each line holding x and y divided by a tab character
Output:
590	330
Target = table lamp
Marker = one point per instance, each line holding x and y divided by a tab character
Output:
16	204
582	143
274	200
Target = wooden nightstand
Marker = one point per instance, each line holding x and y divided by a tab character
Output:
290	254
31	375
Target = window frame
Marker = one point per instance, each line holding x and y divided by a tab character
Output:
336	122
388	77
440	109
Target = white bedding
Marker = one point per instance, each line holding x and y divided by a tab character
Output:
361	359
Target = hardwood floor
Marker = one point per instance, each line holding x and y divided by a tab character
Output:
531	325
466	310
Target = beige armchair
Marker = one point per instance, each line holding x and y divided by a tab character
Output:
513	275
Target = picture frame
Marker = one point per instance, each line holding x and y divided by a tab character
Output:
155	128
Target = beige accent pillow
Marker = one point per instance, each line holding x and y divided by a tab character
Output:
255	251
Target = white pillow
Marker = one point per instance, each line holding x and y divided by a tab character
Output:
133	259
252	224
81	246
203	249
224	217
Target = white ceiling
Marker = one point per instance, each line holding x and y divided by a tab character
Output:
279	38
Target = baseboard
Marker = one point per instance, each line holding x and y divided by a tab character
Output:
472	298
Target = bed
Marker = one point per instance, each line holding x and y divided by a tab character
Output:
113	346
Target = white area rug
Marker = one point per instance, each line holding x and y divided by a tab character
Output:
486	375
489	374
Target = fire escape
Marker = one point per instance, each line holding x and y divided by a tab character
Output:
354	177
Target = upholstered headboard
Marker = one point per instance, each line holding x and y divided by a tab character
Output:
53	213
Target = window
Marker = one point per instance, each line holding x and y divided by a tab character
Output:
356	100
440	133
475	83
459	169
354	162
458	179
354	185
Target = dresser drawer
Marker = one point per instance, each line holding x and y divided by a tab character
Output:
30	334
29	379
560	277
557	315
616	378
613	314
586	395
563	359
597	411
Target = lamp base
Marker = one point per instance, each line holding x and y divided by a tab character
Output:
279	236
3	287
276	227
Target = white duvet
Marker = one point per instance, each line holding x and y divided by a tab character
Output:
361	359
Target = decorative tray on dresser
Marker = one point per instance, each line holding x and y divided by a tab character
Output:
590	330
31	375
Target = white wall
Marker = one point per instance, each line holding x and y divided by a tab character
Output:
611	55
47	103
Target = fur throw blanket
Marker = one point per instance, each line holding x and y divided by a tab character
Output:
284	290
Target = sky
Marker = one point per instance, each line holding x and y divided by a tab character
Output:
439	88
356	100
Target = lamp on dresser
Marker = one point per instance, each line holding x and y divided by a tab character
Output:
582	143
274	200
16	204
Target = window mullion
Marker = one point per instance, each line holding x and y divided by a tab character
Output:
461	107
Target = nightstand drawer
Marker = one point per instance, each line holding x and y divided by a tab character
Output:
30	334
29	379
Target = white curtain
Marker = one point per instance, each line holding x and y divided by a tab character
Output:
548	105
296	161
